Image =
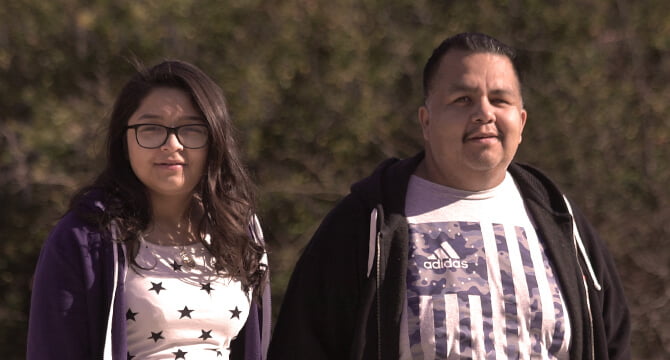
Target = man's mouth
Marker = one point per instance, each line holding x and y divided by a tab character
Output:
481	136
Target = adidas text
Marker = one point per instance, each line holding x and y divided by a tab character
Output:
445	264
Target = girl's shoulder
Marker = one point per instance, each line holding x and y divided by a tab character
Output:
81	226
74	230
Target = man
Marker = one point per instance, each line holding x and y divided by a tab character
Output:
457	252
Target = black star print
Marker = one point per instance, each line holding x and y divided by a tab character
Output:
130	315
236	313
185	312
175	266
205	335
180	354
130	357
156	336
157	287
207	287
218	352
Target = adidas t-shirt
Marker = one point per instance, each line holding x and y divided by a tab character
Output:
479	283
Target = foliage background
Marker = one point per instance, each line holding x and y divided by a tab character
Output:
321	91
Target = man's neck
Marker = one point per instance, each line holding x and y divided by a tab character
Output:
462	179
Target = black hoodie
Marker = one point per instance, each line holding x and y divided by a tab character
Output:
348	290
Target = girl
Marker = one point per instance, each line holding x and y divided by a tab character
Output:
162	256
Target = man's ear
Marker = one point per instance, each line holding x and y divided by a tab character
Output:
524	115
424	120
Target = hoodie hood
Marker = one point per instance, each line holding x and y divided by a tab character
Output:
387	185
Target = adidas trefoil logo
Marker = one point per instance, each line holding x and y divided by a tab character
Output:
445	257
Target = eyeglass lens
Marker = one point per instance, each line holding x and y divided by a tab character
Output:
153	136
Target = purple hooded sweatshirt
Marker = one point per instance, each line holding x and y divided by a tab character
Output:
77	306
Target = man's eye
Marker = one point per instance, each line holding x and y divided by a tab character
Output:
499	101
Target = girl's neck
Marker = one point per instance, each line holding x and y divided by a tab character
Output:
173	222
170	208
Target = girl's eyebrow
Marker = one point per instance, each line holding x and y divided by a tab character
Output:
193	117
149	117
158	117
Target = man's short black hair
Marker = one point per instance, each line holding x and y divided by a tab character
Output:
472	42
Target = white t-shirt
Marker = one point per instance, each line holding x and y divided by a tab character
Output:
479	283
178	311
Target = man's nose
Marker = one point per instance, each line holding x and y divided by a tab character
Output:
483	111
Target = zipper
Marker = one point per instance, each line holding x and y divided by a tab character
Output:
579	248
586	286
379	307
588	306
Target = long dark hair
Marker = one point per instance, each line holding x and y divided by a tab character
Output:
225	192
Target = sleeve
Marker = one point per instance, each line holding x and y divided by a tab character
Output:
252	341
317	318
615	314
58	323
247	344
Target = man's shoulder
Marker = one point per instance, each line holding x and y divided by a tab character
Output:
388	181
535	184
525	170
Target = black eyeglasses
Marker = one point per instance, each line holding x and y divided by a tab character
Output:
152	136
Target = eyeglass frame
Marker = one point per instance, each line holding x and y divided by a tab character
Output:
170	130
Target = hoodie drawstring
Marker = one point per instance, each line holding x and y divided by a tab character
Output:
580	245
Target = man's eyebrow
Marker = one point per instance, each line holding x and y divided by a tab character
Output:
503	91
461	88
469	89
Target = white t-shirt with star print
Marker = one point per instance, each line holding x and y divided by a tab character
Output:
179	311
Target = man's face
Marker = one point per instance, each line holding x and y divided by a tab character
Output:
472	120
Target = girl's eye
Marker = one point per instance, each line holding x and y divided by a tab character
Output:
195	130
148	129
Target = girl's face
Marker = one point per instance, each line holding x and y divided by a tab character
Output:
172	168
